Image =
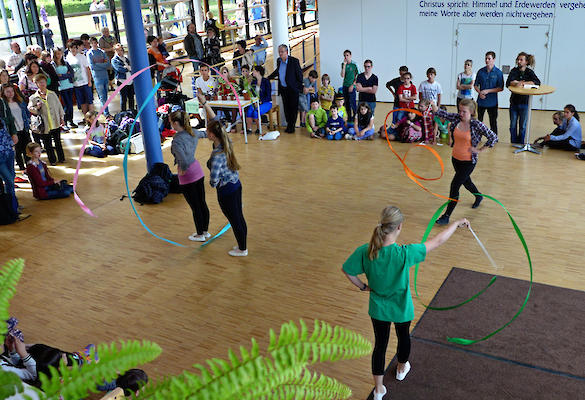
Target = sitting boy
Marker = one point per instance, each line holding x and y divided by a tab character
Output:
335	127
316	119
341	111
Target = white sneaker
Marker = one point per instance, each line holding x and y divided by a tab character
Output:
199	238
402	375
347	136
229	127
379	396
238	253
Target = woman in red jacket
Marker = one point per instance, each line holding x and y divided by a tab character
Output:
43	185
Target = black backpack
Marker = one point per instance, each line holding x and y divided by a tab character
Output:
154	187
116	138
120	116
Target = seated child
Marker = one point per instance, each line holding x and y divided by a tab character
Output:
97	141
363	127
43	185
407	130
341	111
428	133
326	93
316	119
557	119
441	127
306	96
335	126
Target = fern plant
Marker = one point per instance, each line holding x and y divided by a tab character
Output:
282	373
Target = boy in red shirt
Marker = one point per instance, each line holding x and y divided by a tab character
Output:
406	94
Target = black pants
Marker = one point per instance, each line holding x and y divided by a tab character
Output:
382	334
560	144
127	98
195	195
463	170
492	114
20	149
290	101
48	139
231	205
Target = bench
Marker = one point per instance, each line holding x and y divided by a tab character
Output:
275	109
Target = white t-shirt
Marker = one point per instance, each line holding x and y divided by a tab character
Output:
17	114
79	64
206	86
430	90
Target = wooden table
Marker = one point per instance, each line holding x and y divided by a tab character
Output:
541	90
234	104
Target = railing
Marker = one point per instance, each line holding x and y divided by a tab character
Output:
305	38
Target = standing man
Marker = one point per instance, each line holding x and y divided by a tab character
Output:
349	73
393	86
367	86
259	48
107	43
488	82
290	84
16	58
99	63
193	45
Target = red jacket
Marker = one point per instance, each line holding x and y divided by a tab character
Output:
36	180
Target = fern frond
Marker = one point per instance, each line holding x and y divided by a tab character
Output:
10	384
9	275
75	383
311	386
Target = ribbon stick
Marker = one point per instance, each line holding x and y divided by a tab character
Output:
410	173
464	341
484	249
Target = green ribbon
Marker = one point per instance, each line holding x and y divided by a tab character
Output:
464	341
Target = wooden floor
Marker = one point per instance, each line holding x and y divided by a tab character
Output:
308	204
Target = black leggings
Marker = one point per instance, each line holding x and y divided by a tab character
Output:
20	149
463	170
194	193
231	205
560	144
382	334
48	139
492	114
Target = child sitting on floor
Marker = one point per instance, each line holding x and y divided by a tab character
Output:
43	185
407	130
335	126
316	119
363	126
441	127
341	111
97	141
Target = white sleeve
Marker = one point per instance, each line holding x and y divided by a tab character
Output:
440	89
29	373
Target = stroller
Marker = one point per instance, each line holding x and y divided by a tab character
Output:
171	79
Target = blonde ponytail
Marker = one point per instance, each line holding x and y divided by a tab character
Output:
216	128
182	118
390	219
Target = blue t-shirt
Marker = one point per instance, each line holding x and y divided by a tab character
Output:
334	124
489	80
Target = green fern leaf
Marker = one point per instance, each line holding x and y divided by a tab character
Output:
9	275
10	384
75	383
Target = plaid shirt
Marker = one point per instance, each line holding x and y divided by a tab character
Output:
427	117
220	174
477	130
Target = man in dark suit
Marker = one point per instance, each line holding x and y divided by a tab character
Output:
290	84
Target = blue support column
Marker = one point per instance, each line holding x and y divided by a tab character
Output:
143	82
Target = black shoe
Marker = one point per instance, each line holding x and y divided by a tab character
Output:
257	132
477	201
444	220
72	125
264	119
200	125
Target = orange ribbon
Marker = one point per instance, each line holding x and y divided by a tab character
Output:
410	173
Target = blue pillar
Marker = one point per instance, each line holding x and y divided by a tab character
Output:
142	83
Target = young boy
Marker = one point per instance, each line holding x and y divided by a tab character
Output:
309	91
441	127
335	127
430	89
326	93
349	73
341	111
406	94
316	120
428	133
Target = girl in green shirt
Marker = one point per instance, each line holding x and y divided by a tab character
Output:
386	265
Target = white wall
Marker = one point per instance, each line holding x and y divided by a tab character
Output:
395	32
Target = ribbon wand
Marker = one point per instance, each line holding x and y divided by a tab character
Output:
484	249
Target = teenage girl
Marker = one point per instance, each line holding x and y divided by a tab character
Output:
519	76
466	132
387	267
65	74
225	177
571	138
17	107
191	177
363	127
465	82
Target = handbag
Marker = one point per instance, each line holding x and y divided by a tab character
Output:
37	124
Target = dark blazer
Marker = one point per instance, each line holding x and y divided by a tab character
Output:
294	74
194	50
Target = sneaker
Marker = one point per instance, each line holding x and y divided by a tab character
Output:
72	125
347	136
379	396
444	220
238	253
22	217
229	127
477	201
401	375
198	238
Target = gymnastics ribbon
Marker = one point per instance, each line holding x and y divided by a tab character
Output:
464	341
410	173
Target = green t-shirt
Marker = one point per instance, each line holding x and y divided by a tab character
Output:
442	125
320	118
351	71
388	278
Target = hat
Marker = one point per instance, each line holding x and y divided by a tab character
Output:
339	96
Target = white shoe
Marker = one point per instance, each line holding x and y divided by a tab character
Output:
379	396
199	238
402	375
238	253
347	136
229	127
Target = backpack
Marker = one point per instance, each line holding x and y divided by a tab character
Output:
154	187
115	139
120	116
162	170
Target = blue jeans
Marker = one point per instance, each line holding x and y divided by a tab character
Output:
353	132
336	136
350	104
62	192
104	19
7	174
67	97
518	116
101	87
